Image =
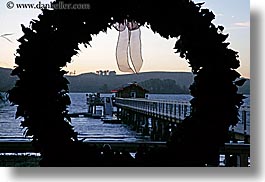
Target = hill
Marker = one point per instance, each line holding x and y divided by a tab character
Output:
91	82
6	80
245	89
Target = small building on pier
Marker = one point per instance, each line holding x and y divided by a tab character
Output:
131	90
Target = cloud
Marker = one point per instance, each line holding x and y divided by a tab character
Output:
242	24
239	25
219	14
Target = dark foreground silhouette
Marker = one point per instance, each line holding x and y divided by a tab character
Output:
81	155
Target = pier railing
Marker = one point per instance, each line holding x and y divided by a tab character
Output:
178	111
168	109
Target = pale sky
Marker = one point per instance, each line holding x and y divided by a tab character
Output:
158	53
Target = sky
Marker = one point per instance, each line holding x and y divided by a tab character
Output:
157	52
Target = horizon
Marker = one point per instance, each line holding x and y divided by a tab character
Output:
121	74
235	19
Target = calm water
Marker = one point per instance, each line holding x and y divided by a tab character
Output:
91	129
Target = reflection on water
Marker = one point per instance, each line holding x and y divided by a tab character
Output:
95	129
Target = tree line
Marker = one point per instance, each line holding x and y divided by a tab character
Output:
166	86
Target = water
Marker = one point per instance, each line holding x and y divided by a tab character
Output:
88	128
9	127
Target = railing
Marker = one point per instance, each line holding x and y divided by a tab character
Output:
243	126
170	109
178	110
236	155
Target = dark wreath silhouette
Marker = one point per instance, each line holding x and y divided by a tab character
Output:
48	44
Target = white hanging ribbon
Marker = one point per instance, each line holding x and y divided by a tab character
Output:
129	41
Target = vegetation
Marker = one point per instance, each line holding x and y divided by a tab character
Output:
89	82
167	86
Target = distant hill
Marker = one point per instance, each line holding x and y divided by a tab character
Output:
165	86
245	89
6	80
91	82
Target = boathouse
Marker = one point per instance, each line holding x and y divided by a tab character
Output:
131	90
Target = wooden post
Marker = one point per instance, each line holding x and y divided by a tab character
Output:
154	128
158	130
243	160
137	121
244	120
125	117
146	126
175	110
185	110
166	130
163	130
118	113
179	110
130	117
89	109
94	109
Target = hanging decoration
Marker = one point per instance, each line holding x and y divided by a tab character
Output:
129	42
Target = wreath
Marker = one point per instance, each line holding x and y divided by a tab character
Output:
50	42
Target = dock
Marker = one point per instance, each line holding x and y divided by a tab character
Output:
158	118
154	118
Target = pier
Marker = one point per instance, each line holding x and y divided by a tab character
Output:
158	118
154	118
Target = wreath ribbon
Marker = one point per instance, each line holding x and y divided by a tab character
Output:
129	42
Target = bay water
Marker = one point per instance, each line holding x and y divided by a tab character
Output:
89	128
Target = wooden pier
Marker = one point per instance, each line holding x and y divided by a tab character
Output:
167	110
158	118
